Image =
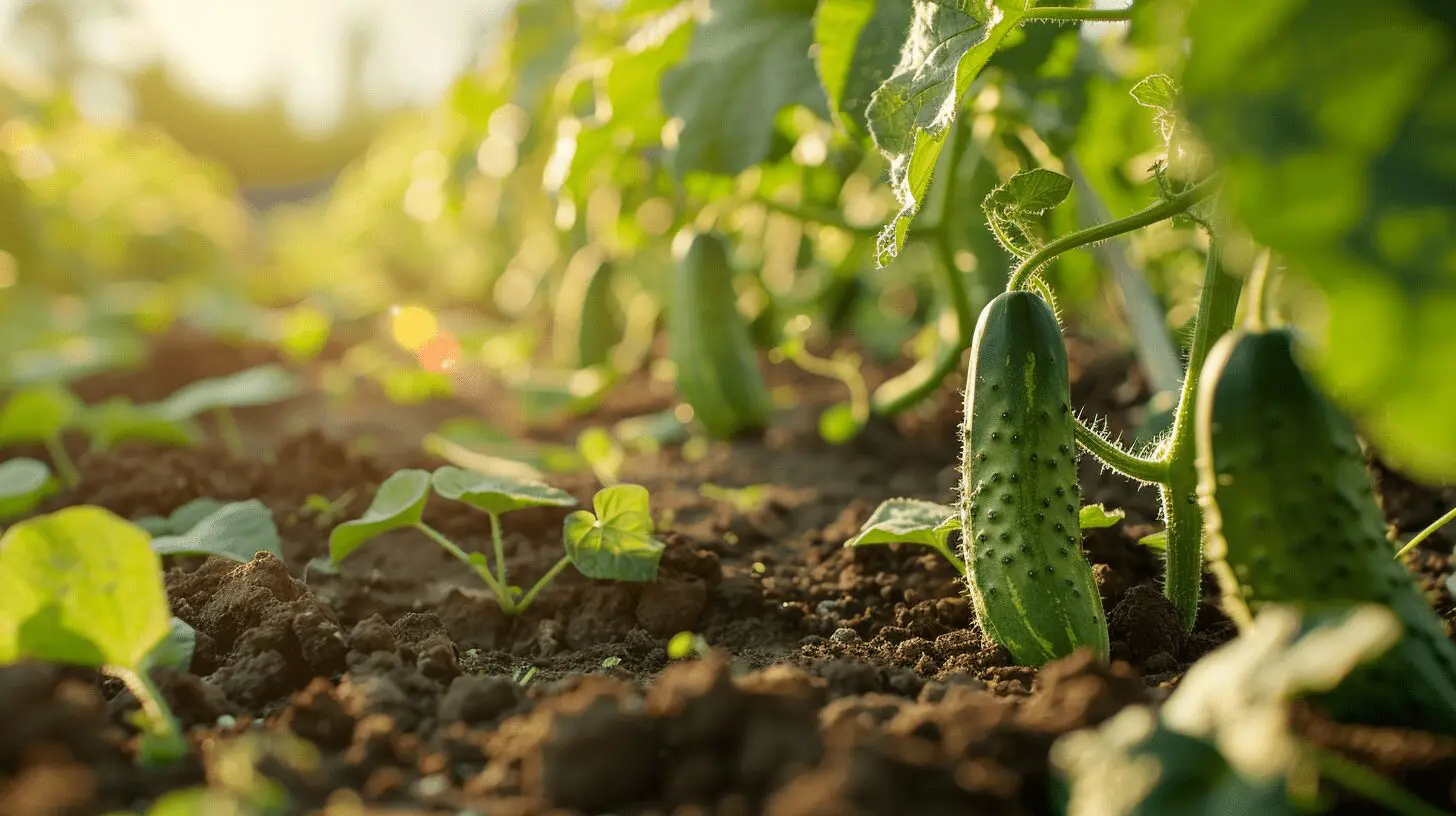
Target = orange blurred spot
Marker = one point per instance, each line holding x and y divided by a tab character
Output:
439	353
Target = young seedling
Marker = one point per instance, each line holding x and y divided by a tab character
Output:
24	483
262	385
326	511
119	420
83	586
236	531
41	415
616	543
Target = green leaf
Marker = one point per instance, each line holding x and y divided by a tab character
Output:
24	483
909	521
1157	91
399	502
744	499
838	424
176	649
857	46
37	414
235	531
616	543
1095	516
118	420
745	63
1031	191
1157	542
602	452
496	494
80	586
262	385
1333	122
911	114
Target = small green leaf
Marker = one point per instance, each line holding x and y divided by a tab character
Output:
37	414
182	519
616	543
235	531
686	644
262	385
1017	204
118	420
1095	516
611	662
496	494
650	432
1158	542
24	483
1157	91
838	424
399	502
744	499
80	586
176	649
909	521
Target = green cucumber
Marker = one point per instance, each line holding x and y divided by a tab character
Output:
1292	518
586	320
1031	585
709	341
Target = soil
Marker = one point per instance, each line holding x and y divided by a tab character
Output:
839	681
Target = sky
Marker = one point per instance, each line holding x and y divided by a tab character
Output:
239	51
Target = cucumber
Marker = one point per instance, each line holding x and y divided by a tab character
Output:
586	321
1292	518
709	341
1031	585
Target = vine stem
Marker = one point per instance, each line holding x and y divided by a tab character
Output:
541	584
65	466
497	541
502	595
1183	564
1256	309
1426	533
1148	471
1062	14
1367	783
1161	211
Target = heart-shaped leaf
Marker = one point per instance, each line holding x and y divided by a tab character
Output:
24	483
1095	516
118	420
80	586
399	502
176	649
616	542
262	385
37	414
236	531
496	494
181	520
911	521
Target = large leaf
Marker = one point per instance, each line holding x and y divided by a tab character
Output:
911	114
857	44
236	531
24	483
80	586
176	649
262	385
399	502
747	61
911	521
1335	121
496	494
616	542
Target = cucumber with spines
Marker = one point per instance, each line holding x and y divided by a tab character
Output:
709	341
586	319
1031	585
1292	518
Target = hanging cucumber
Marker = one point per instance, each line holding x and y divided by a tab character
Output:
1032	586
1293	519
586	321
709	341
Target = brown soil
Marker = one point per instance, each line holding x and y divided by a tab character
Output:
840	682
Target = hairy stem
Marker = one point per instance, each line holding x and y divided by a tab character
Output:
498	542
1148	471
541	584
1183	564
501	593
1074	15
1161	211
1256	305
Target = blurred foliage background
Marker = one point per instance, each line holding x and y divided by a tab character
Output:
453	179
